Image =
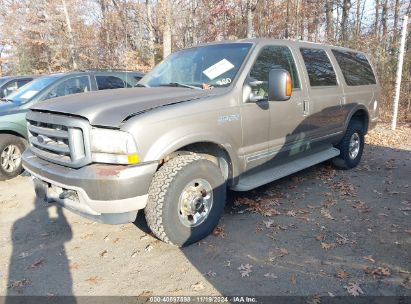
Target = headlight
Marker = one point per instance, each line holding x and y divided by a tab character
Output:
113	147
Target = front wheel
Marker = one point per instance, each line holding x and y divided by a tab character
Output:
11	148
351	146
186	200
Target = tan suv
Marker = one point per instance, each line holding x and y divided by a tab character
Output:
235	115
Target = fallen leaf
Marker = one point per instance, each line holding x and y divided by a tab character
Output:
198	286
407	283
354	289
327	246
291	213
116	240
341	274
219	231
245	270
74	266
379	271
104	253
94	280
325	213
38	262
271	275
19	284
134	254
87	236
268	223
369	258
210	273
146	293
294	279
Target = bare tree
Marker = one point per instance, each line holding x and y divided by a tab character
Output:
329	19
344	20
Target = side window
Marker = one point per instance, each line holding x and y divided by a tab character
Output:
70	86
109	82
272	57
22	82
319	68
9	88
355	68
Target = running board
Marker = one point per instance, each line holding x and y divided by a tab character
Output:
261	178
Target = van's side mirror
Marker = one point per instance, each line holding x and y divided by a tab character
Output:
280	85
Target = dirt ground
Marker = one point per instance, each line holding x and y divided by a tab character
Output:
318	232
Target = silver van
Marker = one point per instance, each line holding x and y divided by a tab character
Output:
235	115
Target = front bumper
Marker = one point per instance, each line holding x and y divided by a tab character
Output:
106	193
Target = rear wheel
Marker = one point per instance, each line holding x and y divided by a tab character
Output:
186	199
11	149
351	146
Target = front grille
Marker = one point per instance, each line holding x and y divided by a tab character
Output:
60	139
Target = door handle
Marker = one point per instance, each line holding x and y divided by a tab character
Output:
306	107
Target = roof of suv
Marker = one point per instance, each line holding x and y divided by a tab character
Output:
287	41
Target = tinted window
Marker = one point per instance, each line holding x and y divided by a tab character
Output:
22	82
70	86
109	82
319	68
274	57
355	68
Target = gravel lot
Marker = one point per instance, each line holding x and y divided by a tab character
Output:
312	233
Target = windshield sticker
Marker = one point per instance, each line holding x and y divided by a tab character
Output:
29	94
218	69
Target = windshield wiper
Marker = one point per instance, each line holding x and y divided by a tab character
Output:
179	84
6	99
142	85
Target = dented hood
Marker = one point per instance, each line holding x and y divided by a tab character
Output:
111	107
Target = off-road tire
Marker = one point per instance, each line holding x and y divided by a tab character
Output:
166	187
344	161
5	141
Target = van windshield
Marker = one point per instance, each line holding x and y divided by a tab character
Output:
214	65
28	91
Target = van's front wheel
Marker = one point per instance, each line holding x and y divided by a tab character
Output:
186	199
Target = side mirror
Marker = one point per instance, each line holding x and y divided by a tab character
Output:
280	85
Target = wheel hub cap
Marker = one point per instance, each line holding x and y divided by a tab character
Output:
354	147
195	202
10	158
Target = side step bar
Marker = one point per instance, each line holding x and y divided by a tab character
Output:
264	177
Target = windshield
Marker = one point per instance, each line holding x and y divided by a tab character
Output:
28	91
212	65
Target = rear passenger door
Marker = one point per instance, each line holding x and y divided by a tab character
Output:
323	108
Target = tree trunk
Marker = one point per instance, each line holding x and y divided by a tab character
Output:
250	8
358	19
344	21
396	17
384	19
151	36
71	37
167	29
329	19
287	21
377	17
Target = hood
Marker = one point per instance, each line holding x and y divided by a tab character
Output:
7	108
111	107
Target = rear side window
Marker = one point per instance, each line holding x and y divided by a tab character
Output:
319	68
109	82
355	68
